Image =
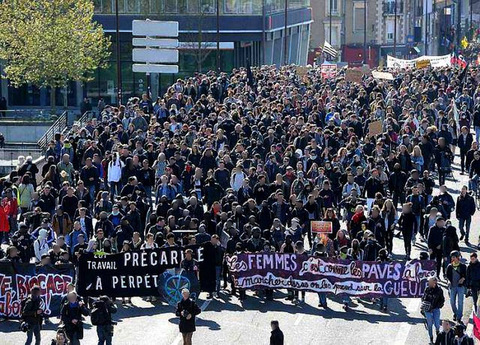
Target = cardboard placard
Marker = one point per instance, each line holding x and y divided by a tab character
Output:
301	70
375	128
422	64
321	227
354	75
382	75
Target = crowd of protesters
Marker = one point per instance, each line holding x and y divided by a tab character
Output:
246	160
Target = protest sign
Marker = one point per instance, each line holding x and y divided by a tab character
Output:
302	70
328	70
422	64
382	75
357	278
16	281
131	274
375	128
354	75
321	227
476	326
434	61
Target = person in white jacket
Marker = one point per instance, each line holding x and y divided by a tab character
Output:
40	246
236	181
114	175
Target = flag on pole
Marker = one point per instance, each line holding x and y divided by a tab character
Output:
328	49
464	42
456	115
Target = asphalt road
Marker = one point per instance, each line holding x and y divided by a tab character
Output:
226	320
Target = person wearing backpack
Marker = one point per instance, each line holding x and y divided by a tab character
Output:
72	311
32	315
101	316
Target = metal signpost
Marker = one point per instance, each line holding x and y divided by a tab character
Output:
157	50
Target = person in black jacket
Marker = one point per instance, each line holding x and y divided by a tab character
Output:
473	279
407	224
72	311
456	275
32	314
187	309
276	337
434	242
447	334
465	140
464	210
432	301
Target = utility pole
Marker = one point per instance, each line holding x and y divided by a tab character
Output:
119	64
285	48
395	30
426	27
364	31
218	36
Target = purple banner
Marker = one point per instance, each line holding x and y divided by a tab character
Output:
402	279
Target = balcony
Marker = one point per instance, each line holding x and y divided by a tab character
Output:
389	8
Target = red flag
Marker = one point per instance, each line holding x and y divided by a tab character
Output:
476	326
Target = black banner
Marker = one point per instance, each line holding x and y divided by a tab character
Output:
16	281
138	273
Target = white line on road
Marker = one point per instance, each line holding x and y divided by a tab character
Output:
299	319
204	306
404	330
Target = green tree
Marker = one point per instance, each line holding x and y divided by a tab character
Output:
50	42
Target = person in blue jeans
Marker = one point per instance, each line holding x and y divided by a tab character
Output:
432	301
456	275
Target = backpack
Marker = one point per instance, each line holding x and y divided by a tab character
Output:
100	314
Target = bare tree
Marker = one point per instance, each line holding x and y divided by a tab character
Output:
195	38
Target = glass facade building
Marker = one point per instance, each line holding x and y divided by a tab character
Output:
249	29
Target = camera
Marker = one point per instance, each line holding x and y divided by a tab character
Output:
24	327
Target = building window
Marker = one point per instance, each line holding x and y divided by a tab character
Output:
390	31
171	6
358	17
334	7
335	41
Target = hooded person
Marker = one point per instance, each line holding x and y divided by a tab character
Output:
40	246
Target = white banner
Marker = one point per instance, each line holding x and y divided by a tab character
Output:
435	61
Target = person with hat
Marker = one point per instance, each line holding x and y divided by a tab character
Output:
460	337
32	314
456	275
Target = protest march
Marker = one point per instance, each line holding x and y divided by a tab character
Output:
264	184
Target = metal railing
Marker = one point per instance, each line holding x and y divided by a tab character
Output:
82	121
57	127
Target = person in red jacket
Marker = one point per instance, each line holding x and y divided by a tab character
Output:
10	206
4	226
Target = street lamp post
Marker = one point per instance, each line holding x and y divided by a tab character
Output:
364	31
395	30
218	36
119	64
330	25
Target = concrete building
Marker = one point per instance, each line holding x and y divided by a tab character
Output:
429	26
248	29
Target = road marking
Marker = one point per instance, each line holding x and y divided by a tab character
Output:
204	306
299	319
404	330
